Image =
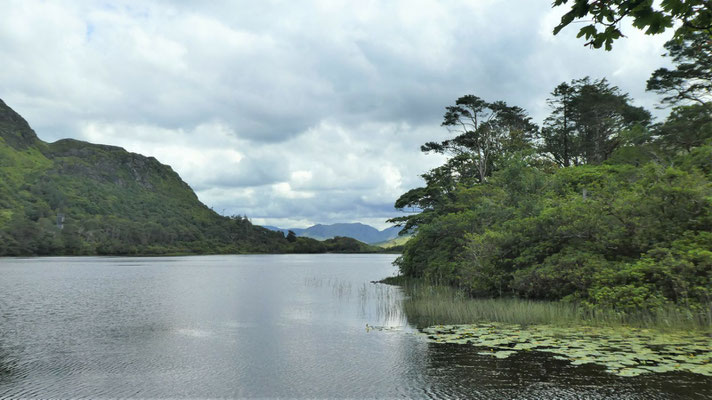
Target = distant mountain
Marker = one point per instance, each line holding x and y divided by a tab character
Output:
356	230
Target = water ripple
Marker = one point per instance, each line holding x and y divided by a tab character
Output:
255	326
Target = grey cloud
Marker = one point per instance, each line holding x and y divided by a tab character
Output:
291	111
248	172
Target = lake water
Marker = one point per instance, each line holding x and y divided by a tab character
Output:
257	326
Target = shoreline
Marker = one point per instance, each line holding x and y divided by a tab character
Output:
426	305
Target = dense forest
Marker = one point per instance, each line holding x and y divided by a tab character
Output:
599	205
76	198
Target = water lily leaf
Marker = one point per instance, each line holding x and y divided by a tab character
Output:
623	351
581	361
701	369
503	353
631	372
661	368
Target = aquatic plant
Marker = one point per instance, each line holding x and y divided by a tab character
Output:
622	351
426	305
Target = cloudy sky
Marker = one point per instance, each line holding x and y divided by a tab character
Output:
292	113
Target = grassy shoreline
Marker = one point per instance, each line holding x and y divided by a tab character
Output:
427	305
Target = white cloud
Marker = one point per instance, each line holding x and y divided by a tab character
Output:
292	113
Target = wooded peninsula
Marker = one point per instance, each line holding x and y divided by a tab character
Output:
599	206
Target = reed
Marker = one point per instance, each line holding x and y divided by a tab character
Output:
426	305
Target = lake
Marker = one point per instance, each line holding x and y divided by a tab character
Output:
257	326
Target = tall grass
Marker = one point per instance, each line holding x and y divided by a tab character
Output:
427	304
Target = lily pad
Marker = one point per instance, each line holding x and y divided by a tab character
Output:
623	351
631	371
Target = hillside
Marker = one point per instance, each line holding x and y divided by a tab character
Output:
74	197
358	231
395	243
337	244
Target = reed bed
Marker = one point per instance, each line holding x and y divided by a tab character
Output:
426	305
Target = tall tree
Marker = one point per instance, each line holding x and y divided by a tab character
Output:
587	120
651	16
686	127
558	129
691	80
484	132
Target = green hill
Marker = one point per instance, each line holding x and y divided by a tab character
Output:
397	242
74	197
338	244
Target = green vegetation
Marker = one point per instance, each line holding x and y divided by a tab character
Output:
691	80
77	198
427	305
599	208
338	244
395	243
622	351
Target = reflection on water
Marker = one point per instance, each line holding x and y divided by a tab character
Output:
255	326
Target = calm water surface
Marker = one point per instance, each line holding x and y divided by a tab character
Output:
256	326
